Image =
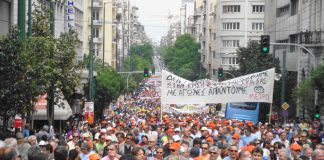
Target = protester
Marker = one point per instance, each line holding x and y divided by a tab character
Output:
134	128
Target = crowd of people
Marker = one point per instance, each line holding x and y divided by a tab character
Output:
135	129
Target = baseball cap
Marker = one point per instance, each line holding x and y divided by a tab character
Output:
236	136
177	130
86	135
295	147
42	143
204	128
176	138
175	146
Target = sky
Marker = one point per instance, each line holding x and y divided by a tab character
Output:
153	15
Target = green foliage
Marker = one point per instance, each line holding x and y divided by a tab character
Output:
250	61
183	58
40	64
145	51
304	93
108	86
12	75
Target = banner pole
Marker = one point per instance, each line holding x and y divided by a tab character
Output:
270	113
161	116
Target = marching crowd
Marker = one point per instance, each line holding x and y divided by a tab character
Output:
135	129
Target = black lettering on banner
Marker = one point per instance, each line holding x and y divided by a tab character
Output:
171	92
189	92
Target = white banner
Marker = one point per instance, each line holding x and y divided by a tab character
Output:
256	87
187	108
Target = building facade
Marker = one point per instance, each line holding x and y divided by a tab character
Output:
299	22
5	16
104	30
237	23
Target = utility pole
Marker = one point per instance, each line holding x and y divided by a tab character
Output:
52	16
22	36
283	80
91	56
29	17
22	19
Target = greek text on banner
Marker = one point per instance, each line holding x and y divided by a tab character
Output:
256	87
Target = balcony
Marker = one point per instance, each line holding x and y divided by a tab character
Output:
96	22
96	4
97	40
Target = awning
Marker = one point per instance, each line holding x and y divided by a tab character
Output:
62	112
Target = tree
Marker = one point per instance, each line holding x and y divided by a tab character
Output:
183	58
304	93
12	76
145	51
108	85
250	60
54	59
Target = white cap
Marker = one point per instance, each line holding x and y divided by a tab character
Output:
177	130
176	138
204	128
103	130
42	143
109	128
108	138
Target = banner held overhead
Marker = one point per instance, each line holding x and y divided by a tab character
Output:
256	87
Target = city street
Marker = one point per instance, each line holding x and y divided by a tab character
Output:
161	80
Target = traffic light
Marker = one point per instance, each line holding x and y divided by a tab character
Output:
317	115
220	72
265	43
153	71
146	72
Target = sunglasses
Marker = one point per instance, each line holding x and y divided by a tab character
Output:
212	152
159	152
233	150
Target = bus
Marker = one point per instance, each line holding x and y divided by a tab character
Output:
248	111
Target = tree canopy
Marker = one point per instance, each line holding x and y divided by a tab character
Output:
183	58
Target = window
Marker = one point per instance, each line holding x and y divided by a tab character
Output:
231	26
231	8
214	54
258	9
95	15
231	43
229	61
283	11
294	7
96	32
214	36
257	26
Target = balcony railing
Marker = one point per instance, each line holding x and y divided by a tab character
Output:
97	40
96	3
96	22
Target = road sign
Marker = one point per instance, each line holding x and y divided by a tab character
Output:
285	106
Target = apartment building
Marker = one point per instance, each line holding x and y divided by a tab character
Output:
104	30
5	16
299	22
237	23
